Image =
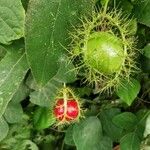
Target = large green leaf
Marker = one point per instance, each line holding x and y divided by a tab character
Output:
129	90
3	128
13	68
47	25
12	16
87	134
126	120
142	12
130	142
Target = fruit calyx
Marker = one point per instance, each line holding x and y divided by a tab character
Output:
67	107
67	112
103	50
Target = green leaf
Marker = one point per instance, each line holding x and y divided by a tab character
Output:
126	120
17	134
13	69
43	118
128	91
147	127
29	144
45	96
124	5
22	92
142	115
147	51
13	113
106	143
12	16
4	128
2	52
69	136
109	128
130	142
145	59
25	3
87	134
47	26
141	10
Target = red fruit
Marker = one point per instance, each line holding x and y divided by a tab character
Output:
68	111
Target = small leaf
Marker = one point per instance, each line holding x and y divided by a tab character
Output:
13	68
12	16
29	144
106	143
145	59
147	51
69	136
142	115
43	118
2	52
49	22
141	10
88	134
125	120
128	91
4	128
13	113
109	128
147	127
22	92
130	142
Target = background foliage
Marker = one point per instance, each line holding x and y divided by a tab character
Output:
34	64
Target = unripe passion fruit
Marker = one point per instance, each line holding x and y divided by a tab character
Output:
68	111
104	52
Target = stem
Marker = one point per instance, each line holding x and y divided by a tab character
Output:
65	100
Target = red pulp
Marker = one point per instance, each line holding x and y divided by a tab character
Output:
68	112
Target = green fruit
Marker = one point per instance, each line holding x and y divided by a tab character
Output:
104	52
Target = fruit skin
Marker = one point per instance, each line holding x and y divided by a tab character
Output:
104	52
66	110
